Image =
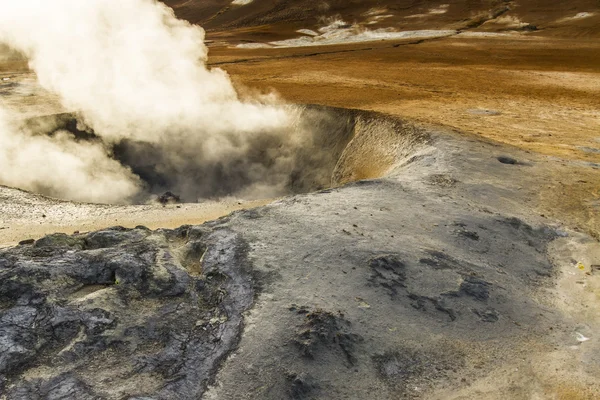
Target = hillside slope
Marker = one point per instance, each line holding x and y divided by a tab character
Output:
579	18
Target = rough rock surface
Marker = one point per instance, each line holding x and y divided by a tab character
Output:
120	313
430	279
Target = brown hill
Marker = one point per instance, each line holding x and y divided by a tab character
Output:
275	18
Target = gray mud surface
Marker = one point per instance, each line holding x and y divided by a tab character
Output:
391	288
121	312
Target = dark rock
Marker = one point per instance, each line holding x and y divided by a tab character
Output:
59	240
61	387
113	236
468	234
407	368
26	242
428	304
299	309
388	272
323	331
525	233
507	160
125	297
487	315
18	339
301	386
476	288
168	198
592	150
442	261
253	214
529	28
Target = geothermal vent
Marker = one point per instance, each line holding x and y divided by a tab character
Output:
326	147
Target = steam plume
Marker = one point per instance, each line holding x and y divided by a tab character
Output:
61	167
137	77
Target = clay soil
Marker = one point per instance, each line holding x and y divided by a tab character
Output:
538	93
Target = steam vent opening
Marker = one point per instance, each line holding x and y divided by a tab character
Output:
327	147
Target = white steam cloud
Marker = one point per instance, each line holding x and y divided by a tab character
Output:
61	167
134	73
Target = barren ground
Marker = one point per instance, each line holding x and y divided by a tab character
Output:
453	277
537	93
540	94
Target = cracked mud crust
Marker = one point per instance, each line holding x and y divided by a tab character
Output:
120	312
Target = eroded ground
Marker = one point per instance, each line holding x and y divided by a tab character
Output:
536	93
440	280
464	273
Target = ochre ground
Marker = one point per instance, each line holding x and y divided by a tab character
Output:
541	94
535	92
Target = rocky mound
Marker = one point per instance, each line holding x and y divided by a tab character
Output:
428	281
121	312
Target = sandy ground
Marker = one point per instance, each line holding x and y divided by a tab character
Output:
29	216
536	93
